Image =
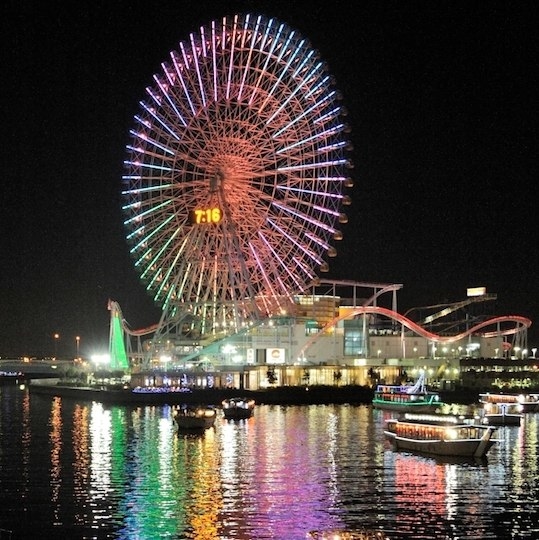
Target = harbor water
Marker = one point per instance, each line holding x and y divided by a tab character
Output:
83	470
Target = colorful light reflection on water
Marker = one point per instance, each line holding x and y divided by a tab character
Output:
84	470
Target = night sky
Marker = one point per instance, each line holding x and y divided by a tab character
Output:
444	118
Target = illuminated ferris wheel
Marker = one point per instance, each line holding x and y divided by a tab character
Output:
236	174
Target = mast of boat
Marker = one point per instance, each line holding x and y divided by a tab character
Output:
419	386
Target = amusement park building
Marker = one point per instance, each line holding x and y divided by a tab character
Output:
330	334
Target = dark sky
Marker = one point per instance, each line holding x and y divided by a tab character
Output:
444	118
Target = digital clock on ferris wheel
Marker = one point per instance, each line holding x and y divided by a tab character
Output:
200	216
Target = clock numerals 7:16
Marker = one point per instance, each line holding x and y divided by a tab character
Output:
205	215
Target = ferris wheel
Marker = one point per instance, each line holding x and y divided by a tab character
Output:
236	173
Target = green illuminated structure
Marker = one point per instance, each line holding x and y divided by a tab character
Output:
117	352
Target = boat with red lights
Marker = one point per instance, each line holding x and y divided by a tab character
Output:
440	435
524	403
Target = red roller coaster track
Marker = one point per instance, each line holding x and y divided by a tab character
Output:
520	324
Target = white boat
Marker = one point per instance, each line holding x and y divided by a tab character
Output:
502	414
194	417
237	408
412	398
440	434
525	403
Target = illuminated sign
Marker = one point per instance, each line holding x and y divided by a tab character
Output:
200	216
477	291
275	356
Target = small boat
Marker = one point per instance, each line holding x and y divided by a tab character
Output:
526	403
194	417
440	434
236	408
413	398
501	415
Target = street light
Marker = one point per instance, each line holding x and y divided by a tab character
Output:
56	338
77	341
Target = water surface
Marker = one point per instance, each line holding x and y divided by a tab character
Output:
84	470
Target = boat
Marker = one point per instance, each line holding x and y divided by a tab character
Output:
525	403
237	408
194	417
501	415
414	397
440	435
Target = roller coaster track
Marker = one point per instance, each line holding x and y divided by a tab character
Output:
213	346
116	310
520	324
141	331
450	308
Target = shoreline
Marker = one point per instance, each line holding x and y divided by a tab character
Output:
312	395
285	395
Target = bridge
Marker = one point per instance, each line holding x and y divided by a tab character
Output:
16	368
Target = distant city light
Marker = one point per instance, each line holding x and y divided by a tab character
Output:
100	359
